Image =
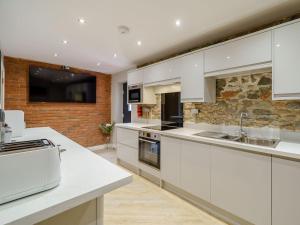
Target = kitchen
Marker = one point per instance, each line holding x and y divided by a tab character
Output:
234	143
116	117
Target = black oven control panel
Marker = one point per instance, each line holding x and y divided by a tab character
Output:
149	135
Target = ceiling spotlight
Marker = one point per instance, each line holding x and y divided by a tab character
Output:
65	42
81	21
178	23
99	63
55	54
139	43
115	55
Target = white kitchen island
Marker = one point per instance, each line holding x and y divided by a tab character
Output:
78	200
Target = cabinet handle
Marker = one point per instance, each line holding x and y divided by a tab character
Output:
151	142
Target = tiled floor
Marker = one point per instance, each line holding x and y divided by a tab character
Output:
143	203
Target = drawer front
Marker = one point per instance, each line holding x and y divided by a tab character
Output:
127	154
128	137
244	52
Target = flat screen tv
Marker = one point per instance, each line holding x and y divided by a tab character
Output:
50	85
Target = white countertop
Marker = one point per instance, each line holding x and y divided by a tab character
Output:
85	176
283	149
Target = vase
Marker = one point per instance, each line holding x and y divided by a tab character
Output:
108	142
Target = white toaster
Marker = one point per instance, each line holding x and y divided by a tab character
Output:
28	167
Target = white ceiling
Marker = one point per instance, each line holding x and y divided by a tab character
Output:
35	29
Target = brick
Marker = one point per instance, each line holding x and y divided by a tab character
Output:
77	121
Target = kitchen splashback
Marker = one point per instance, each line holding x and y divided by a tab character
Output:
250	93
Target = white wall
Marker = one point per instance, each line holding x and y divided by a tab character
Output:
117	98
2	76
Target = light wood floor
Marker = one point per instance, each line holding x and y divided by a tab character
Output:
144	203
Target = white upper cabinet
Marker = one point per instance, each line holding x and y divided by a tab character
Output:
135	77
160	72
248	51
286	62
194	88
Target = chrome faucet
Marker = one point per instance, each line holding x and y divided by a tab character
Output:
243	133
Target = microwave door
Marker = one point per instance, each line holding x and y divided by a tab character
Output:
134	95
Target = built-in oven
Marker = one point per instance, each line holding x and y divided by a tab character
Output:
149	148
135	94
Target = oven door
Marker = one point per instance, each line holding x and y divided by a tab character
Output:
149	152
135	95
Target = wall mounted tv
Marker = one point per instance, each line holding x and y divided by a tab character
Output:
50	85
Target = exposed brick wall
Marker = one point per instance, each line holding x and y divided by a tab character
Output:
78	121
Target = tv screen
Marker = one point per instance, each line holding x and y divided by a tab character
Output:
50	85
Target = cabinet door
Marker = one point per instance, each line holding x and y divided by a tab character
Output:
237	53
128	137
192	77
127	154
170	160
135	77
241	184
160	72
195	169
285	192
286	61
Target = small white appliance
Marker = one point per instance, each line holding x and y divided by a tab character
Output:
15	119
28	167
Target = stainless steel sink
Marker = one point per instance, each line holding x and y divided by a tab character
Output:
259	141
246	140
211	134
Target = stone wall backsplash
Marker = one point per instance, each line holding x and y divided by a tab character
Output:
250	93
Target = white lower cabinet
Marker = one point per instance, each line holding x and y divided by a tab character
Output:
285	192
127	145
195	169
170	160
186	164
241	184
128	137
128	154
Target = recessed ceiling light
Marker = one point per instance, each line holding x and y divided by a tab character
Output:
99	63
178	22
81	21
115	55
139	43
55	54
65	42
277	45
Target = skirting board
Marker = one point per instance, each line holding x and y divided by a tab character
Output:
101	147
205	206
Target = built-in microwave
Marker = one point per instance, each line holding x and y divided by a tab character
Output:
135	94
